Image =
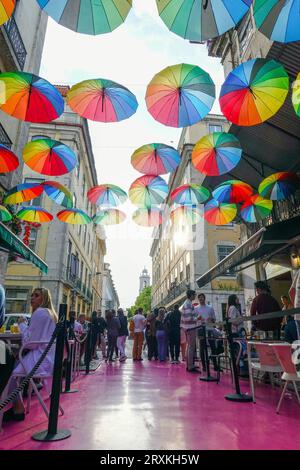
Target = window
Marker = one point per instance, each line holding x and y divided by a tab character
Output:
215	128
244	32
223	252
81	271
69	255
84	234
89	242
32	238
188	272
38	137
74	266
83	186
17	300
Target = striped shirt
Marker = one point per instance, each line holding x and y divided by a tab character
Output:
188	315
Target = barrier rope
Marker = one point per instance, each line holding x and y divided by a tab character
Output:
30	374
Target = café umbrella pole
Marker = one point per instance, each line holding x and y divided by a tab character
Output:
52	433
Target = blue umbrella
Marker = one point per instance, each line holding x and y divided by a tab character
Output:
279	20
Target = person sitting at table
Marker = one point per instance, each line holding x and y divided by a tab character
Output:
41	328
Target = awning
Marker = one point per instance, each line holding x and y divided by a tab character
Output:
11	243
261	246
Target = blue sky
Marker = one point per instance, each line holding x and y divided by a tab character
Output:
131	55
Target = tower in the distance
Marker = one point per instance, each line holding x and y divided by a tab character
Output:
144	280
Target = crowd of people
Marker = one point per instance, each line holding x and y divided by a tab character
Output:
168	335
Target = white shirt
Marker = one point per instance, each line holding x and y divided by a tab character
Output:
139	323
207	314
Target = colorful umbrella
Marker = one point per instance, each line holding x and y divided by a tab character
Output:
279	20
8	160
5	215
148	190
49	157
6	10
190	194
180	95
23	192
74	216
148	217
155	159
186	215
109	217
296	95
30	98
216	154
106	195
232	191
59	193
34	214
256	208
279	186
102	100
88	16
219	213
254	92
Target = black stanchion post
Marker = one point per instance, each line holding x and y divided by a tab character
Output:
52	434
69	368
208	377
88	352
238	396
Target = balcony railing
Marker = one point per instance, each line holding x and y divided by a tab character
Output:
282	210
175	292
4	139
16	41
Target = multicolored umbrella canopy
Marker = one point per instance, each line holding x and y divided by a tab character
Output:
30	98
23	192
180	95
59	193
256	208
219	213
49	157
296	95
155	159
5	215
109	217
8	160
199	20
279	186
279	20
88	16
106	195
102	100
74	217
190	194
216	154
148	217
34	214
148	190
186	215
254	92
6	10
232	191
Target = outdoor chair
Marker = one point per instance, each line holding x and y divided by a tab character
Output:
284	353
265	362
44	378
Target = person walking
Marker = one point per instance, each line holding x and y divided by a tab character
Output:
151	336
139	323
101	333
123	333
161	335
174	319
189	324
113	328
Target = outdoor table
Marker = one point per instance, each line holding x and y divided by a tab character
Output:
14	340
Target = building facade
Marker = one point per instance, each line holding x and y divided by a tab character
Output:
21	48
110	299
268	148
145	280
181	254
74	253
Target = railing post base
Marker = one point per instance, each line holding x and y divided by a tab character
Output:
240	397
44	436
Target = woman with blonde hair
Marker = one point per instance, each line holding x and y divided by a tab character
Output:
41	328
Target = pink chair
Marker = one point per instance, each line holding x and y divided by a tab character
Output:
284	354
266	362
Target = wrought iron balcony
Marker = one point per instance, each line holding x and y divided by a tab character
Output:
4	139
16	41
